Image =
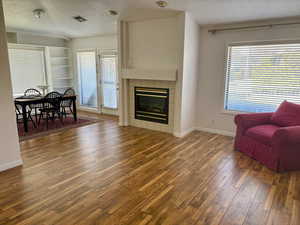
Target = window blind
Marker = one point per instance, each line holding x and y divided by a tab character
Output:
260	77
27	69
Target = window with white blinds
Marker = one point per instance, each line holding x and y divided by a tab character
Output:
27	68
259	77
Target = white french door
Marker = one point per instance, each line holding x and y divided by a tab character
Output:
87	79
108	82
98	81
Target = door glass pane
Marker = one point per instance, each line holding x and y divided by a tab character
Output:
109	81
87	79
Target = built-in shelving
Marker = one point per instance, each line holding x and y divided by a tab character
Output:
59	57
64	78
59	67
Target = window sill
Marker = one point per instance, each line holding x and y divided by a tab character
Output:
233	113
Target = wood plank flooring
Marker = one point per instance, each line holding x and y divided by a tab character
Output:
110	175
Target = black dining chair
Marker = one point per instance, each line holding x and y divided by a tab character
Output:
66	105
51	108
31	92
19	115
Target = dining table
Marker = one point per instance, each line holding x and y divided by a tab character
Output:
27	101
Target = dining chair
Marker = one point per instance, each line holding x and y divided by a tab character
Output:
66	105
19	115
51	108
32	92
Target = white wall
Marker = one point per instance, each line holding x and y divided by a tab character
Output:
11	37
157	44
28	38
106	42
167	44
35	39
212	71
9	150
154	44
190	74
101	43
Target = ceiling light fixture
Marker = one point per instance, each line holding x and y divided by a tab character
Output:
161	3
38	13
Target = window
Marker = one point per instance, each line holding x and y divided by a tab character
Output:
259	77
27	68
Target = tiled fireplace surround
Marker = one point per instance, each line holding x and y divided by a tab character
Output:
151	84
132	78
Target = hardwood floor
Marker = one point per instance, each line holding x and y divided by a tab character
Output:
106	174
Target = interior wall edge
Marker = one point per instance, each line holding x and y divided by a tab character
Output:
10	165
10	147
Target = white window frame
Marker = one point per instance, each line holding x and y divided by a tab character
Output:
33	47
226	66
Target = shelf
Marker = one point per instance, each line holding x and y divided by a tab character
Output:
63	78
60	66
59	52
62	75
62	87
59	57
57	47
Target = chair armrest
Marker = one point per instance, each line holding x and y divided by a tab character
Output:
286	145
287	136
246	121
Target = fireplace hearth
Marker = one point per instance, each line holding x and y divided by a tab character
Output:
152	104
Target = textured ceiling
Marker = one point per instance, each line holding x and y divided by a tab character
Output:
58	18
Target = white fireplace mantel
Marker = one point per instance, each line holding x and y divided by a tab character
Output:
163	75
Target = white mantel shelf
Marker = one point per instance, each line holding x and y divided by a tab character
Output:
163	75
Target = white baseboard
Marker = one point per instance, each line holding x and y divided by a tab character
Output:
216	131
91	110
11	165
184	133
123	124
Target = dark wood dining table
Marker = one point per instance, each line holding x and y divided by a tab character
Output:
31	100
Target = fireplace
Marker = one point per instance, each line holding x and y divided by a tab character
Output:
152	104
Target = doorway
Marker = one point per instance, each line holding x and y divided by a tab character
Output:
98	81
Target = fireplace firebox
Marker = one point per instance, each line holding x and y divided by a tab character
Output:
152	104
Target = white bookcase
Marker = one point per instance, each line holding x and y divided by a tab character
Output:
59	68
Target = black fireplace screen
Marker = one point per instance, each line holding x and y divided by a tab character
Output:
152	104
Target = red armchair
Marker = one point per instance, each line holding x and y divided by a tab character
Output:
271	138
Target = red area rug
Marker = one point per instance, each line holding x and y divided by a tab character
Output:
53	127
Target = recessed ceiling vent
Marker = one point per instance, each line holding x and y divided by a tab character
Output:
113	12
80	19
